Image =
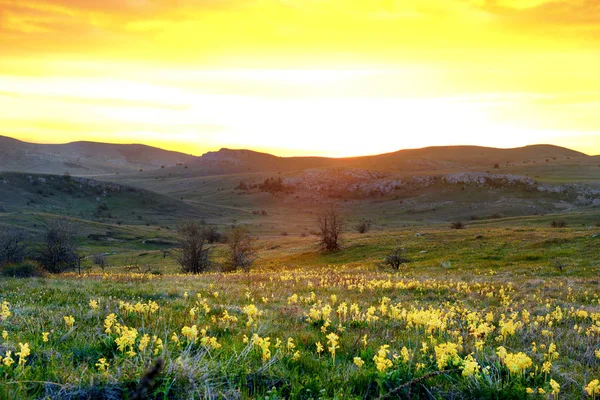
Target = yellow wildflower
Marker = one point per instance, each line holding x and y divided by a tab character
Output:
69	321
8	360
23	353
93	304
593	388
102	364
45	336
382	362
358	362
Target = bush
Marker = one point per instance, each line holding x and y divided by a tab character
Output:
58	251
212	235
242	253
395	259
363	226
13	246
194	253
458	225
26	269
99	260
330	229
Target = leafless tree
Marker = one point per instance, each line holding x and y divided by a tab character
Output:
58	250
194	252
13	245
242	253
330	226
99	260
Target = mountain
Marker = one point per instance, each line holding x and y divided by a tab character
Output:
84	158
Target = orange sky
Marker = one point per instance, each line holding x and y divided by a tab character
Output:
320	77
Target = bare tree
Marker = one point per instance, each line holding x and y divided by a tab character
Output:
58	250
330	226
99	260
194	252
242	253
13	246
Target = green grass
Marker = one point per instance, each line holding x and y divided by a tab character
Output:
461	277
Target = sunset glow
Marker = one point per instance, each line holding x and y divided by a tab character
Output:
336	78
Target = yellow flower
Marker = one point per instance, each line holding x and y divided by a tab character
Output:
4	311
555	387
5	335
8	360
23	353
530	390
102	365
290	344
446	354
127	340
296	355
319	348
358	362
144	342
159	346
191	333
332	342
45	336
593	388
93	304
470	366
382	362
175	338
69	321
109	321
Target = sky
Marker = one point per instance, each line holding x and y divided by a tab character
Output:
302	77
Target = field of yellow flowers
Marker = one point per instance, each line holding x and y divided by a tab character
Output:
334	332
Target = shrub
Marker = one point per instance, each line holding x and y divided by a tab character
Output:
395	259
26	269
58	250
242	253
363	226
13	246
99	260
458	225
330	229
558	224
194	252
212	235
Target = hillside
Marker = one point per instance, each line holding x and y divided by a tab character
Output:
93	201
84	158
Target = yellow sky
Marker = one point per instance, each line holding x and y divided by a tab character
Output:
319	77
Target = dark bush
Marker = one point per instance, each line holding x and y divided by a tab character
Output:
58	250
330	229
242	253
363	226
395	259
194	252
558	224
458	225
26	269
13	246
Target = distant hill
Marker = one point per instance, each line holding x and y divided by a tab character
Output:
228	161
84	158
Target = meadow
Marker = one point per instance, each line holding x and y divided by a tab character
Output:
485	312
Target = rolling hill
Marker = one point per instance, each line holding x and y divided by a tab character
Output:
84	158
